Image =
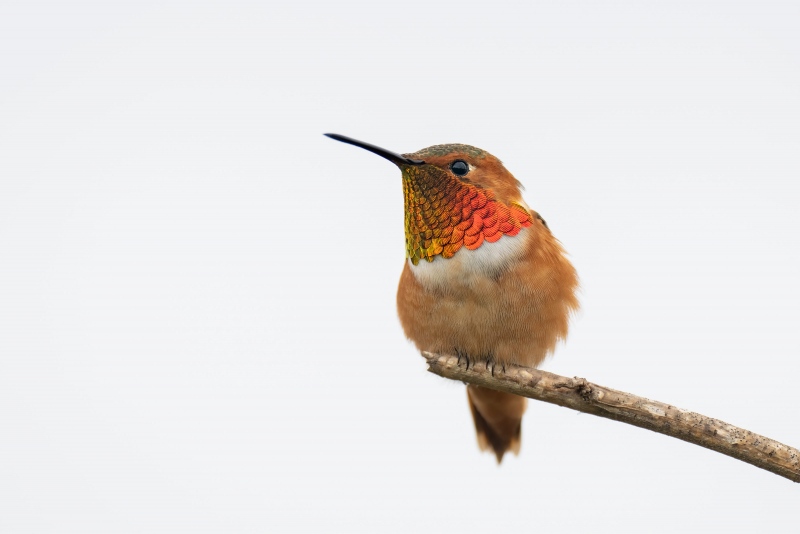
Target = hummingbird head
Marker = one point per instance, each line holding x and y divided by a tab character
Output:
455	196
472	166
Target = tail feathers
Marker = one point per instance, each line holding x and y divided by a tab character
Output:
498	419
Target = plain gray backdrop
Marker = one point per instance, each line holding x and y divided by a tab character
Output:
197	317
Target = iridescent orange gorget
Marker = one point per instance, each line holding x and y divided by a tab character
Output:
442	214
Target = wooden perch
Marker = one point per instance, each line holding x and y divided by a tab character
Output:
581	395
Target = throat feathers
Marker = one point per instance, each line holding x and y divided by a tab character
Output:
483	279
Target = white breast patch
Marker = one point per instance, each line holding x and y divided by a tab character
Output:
487	260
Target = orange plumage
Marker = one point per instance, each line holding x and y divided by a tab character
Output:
494	284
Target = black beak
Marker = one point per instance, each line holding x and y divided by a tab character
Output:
397	159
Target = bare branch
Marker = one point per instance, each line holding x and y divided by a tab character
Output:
581	395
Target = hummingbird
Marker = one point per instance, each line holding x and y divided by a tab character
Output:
483	278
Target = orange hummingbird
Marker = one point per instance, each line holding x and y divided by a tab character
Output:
484	278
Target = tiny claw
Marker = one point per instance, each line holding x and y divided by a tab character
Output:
462	356
490	364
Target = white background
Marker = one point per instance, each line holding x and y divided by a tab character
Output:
197	318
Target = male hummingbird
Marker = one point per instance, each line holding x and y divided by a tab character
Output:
483	278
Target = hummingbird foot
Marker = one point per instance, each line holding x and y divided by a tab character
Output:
488	360
492	364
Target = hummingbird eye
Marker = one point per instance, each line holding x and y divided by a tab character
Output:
459	167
